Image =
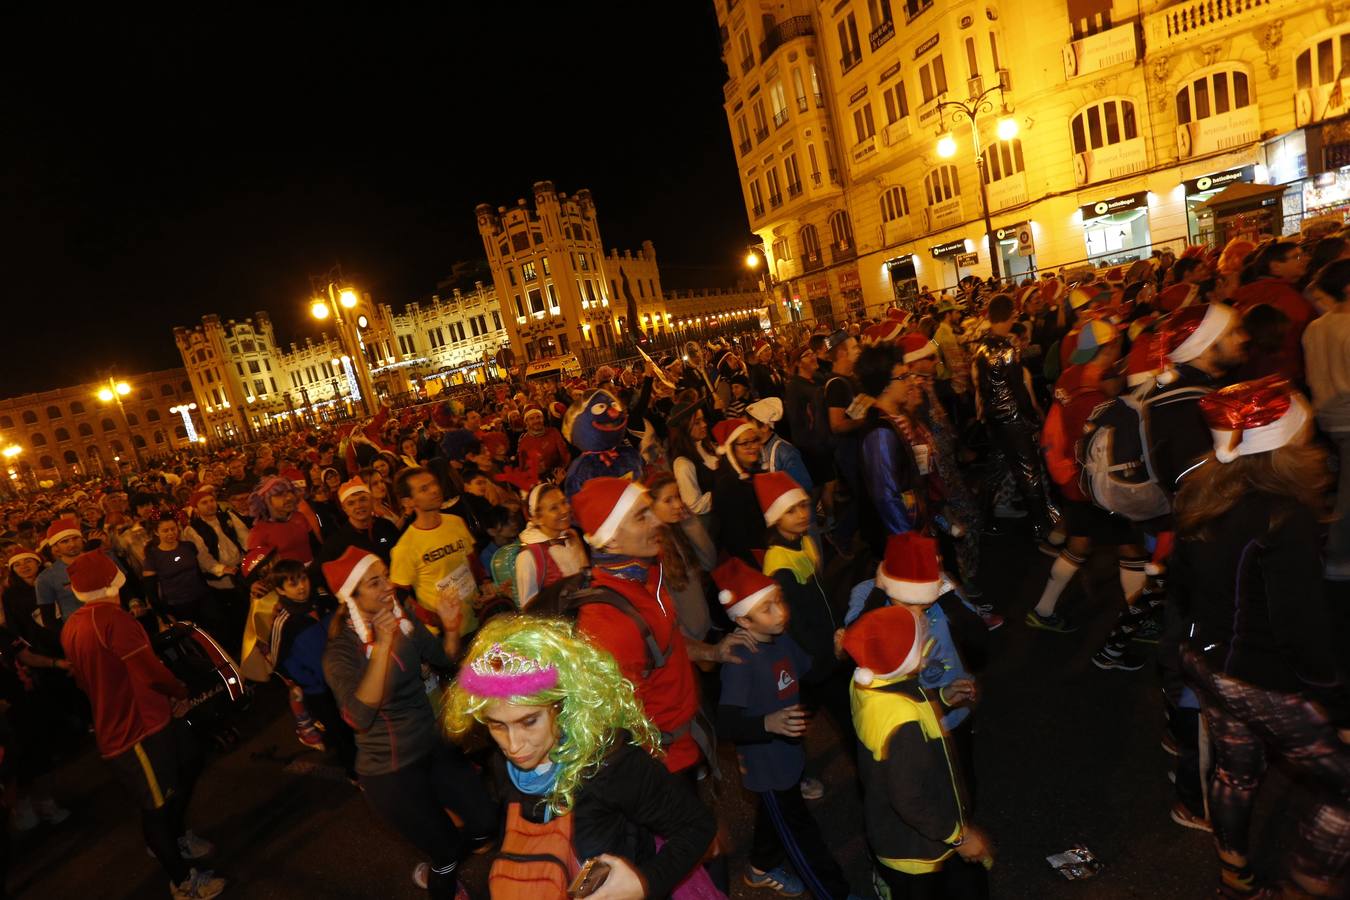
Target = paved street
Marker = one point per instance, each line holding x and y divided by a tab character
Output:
1066	754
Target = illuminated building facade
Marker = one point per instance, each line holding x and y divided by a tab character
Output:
1130	119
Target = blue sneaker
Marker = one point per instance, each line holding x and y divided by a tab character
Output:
775	880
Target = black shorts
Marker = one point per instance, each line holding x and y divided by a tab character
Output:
150	769
1085	519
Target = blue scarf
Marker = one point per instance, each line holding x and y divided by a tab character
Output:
536	782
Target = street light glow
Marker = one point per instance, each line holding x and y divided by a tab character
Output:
319	310
105	395
946	146
1007	128
123	388
347	298
752	260
12	451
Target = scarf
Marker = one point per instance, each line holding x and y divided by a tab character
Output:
536	782
627	568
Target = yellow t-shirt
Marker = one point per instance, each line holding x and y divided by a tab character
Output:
423	557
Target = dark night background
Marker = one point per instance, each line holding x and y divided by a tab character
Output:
156	171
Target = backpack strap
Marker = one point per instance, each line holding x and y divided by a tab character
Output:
656	655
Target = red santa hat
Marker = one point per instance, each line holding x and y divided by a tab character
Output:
200	494
20	554
533	410
1254	417
727	431
60	529
915	346
1234	255
909	572
741	588
888	332
1191	330
886	643
357	485
760	344
777	493
94	576
294	476
601	505
1175	296
1144	361
343	575
1052	289
255	559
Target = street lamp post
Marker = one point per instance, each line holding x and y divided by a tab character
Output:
970	109
339	300
113	392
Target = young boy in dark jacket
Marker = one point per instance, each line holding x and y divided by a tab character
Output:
761	712
914	807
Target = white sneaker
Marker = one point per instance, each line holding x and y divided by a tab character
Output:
23	818
421	873
190	846
198	886
50	812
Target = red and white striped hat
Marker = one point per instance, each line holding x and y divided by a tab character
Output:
777	493
740	587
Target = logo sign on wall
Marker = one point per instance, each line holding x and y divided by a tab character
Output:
1137	200
951	248
965	260
1219	180
1026	245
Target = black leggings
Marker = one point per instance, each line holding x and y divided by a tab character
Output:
416	801
956	880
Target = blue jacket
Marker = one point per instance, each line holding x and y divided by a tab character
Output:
780	456
942	663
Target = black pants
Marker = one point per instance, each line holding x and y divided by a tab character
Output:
784	827
161	772
337	734
1017	443
956	880
415	801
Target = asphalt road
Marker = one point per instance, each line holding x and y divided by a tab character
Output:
1065	754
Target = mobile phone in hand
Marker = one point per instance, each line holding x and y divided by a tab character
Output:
589	879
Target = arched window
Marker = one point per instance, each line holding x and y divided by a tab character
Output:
894	204
132	419
1001	159
180	432
116	445
941	185
62	435
159	437
138	442
152	415
186	387
841	231
166	390
1102	124
29	417
6	422
72	458
38	440
47	462
107	425
1213	93
54	412
76	408
810	244
85	430
147	394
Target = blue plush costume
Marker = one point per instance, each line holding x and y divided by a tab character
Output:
599	430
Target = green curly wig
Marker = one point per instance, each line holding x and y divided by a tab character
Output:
595	701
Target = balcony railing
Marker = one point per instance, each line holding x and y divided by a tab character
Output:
780	118
820	101
803	104
812	261
1206	19
761	134
757	210
815	179
834	176
784	31
775	201
842	253
848	61
745	147
794	189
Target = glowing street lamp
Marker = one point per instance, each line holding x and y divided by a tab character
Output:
113	392
347	298
1006	128
946	146
319	310
752	260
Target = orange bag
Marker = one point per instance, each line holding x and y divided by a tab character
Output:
536	861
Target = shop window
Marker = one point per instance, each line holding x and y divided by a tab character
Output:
894	204
1103	124
941	184
1002	159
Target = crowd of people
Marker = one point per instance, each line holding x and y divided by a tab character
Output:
607	577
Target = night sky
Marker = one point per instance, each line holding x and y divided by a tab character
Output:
156	171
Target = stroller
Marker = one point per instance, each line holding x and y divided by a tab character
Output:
216	690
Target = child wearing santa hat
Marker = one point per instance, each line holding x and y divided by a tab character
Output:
914	798
761	711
